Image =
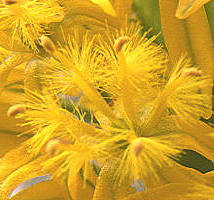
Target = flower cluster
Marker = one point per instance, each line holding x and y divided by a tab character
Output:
105	113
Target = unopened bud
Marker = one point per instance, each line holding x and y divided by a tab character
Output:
53	144
47	44
9	2
137	146
191	72
118	45
15	109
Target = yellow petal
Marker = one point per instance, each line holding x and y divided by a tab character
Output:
123	9
7	43
198	127
209	177
43	190
86	11
14	159
9	141
176	173
106	6
172	191
78	190
202	137
9	97
9	124
32	76
4	53
187	141
187	7
106	187
200	39
8	66
171	25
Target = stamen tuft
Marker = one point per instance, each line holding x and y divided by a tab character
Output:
47	44
137	146
16	109
191	72
118	45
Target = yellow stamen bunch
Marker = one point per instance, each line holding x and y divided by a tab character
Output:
106	111
27	19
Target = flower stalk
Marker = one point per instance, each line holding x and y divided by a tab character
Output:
174	31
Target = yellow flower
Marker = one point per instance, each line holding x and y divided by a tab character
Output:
105	117
146	105
26	19
192	38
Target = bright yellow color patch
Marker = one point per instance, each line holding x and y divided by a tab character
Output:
106	6
105	117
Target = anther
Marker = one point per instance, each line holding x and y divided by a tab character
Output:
118	45
9	2
47	44
53	144
16	109
191	72
137	146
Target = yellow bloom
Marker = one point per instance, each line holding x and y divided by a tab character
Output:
193	36
105	116
138	141
26	19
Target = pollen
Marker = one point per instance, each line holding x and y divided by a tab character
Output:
191	72
118	45
47	44
16	109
